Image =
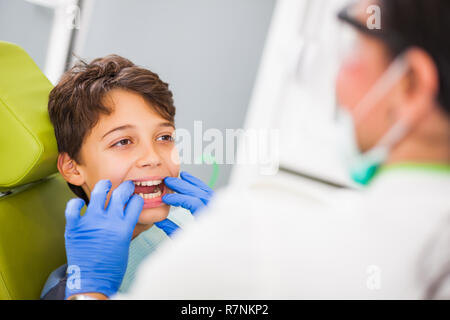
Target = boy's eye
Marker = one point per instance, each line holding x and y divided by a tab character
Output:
166	137
122	142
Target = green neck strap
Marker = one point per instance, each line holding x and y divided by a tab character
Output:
438	168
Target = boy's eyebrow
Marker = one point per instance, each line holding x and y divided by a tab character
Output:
166	124
126	126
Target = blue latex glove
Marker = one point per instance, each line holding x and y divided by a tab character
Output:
97	243
168	226
192	194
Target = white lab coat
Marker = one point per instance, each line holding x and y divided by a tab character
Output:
265	243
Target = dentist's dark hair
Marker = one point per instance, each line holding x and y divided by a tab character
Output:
424	24
76	102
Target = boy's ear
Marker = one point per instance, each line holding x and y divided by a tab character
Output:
68	169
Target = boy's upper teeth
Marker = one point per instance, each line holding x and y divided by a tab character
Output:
147	183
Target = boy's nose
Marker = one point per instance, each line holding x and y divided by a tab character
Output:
149	158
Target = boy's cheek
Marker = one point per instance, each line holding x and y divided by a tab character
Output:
174	172
175	175
114	185
174	157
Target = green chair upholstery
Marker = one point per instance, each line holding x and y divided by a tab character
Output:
32	193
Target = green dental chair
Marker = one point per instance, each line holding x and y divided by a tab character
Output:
32	193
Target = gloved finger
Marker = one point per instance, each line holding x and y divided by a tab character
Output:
195	181
168	226
120	196
186	188
133	209
99	194
73	209
180	200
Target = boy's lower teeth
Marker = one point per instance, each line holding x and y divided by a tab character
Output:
150	195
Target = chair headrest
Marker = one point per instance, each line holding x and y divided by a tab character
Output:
27	141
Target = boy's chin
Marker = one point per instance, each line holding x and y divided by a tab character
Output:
152	215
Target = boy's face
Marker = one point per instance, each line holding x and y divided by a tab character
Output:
132	143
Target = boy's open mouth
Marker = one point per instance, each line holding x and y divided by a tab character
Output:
149	189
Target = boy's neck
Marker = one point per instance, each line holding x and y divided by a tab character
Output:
140	228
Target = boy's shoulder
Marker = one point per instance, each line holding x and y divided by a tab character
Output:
55	286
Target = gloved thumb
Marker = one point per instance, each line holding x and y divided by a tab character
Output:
133	209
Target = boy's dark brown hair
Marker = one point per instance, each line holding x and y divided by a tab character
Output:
75	103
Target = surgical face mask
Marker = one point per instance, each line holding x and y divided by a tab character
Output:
362	166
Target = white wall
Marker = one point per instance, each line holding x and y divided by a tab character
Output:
27	25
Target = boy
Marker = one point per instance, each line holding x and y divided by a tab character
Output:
114	120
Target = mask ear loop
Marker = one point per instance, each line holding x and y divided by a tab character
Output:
391	76
397	132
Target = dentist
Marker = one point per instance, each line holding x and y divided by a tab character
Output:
393	91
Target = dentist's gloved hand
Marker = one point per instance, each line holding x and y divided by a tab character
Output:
168	226
97	243
192	194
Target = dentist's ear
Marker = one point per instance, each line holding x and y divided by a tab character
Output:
421	87
69	169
